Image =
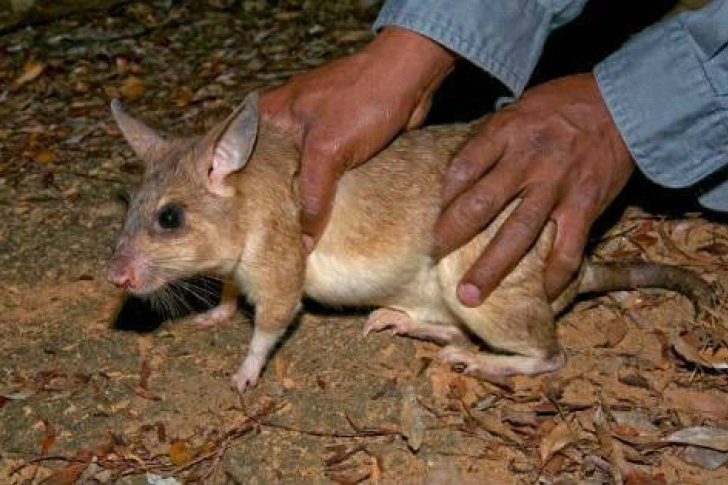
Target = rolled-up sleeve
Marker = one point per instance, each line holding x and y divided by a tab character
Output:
667	90
503	37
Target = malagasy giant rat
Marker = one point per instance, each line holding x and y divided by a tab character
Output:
226	204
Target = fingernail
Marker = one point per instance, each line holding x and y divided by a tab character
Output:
469	294
308	242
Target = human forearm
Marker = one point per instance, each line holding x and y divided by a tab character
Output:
667	91
504	38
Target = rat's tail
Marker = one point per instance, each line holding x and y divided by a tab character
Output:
603	277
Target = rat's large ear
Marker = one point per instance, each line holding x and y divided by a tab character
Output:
146	142
234	144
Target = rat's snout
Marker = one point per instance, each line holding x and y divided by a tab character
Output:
122	271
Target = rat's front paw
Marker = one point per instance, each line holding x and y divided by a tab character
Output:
215	316
248	374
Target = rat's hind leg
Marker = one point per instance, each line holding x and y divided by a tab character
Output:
521	327
403	324
225	309
516	320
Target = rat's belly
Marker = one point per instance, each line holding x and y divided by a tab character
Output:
403	284
343	281
338	279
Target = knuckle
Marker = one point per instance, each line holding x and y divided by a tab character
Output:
587	198
590	194
477	206
531	212
520	228
461	168
540	141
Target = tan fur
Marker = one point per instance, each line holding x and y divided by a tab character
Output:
375	251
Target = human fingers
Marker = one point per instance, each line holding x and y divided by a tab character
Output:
510	243
573	220
472	161
473	209
322	163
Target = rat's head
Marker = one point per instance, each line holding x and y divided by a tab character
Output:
180	222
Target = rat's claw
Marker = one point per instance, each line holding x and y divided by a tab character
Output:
461	359
248	374
241	382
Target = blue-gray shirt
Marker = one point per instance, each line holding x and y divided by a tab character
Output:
666	88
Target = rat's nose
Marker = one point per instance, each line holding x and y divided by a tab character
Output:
121	276
122	280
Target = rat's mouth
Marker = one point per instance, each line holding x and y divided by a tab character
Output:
145	290
183	295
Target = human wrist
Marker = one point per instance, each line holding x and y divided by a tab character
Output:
404	50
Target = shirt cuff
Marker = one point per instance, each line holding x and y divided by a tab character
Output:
668	108
504	38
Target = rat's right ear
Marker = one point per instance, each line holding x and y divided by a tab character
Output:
146	142
233	146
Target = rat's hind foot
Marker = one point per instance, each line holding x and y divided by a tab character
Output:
485	364
402	324
215	316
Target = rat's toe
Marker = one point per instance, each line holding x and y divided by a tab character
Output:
249	372
241	382
384	318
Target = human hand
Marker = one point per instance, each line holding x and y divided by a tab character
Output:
558	149
343	113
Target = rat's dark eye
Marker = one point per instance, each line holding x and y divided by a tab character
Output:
171	216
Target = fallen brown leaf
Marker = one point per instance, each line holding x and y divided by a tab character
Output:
614	331
44	156
179	453
133	88
413	426
495	426
145	372
611	450
68	475
711	403
559	438
49	438
716	248
183	97
31	71
687	350
704	457
146	394
375	467
635	476
705	436
465	390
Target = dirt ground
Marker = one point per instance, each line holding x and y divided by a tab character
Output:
643	399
